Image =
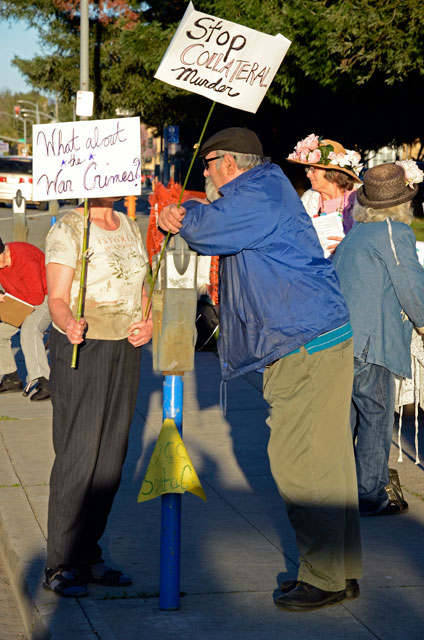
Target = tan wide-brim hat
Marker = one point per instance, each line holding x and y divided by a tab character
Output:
385	186
338	148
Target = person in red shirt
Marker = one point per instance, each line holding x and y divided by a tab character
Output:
23	275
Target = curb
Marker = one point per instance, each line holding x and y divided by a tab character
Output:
23	549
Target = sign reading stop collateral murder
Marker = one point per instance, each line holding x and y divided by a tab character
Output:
222	60
87	159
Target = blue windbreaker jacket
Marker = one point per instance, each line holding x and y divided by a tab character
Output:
277	291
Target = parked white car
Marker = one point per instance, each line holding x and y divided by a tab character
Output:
16	173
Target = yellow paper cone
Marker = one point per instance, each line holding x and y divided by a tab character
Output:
170	469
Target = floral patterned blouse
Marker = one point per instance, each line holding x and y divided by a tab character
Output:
116	269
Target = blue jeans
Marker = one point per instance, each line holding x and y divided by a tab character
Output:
371	421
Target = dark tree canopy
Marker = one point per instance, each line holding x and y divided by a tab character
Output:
354	72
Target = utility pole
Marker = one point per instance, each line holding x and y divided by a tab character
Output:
84	57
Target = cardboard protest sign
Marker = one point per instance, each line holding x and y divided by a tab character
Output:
222	60
170	469
87	159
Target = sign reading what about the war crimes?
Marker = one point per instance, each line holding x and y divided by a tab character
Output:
87	159
222	60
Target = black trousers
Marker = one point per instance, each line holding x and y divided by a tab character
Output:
93	406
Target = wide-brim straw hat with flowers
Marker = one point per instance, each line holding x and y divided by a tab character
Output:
314	151
388	185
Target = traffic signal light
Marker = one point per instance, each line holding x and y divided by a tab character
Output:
17	110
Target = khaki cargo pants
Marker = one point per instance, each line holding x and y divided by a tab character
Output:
312	461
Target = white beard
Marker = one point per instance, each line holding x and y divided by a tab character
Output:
212	193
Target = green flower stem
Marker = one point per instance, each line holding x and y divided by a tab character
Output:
82	279
196	151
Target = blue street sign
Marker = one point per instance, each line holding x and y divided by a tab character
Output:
173	134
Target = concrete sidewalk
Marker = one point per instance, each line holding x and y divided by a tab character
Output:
235	547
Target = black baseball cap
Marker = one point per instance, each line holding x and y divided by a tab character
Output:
233	139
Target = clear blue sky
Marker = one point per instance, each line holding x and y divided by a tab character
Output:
15	39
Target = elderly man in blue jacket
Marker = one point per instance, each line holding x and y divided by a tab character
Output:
281	309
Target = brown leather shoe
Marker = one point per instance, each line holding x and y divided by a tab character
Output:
306	597
352	587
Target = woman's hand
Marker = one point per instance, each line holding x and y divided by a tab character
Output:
75	329
332	247
140	332
170	218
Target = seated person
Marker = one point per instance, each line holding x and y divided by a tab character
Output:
23	275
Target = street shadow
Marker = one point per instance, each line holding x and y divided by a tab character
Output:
245	519
238	546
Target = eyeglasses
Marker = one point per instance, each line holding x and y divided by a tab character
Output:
308	169
206	161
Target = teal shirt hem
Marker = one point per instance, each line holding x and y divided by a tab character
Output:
327	340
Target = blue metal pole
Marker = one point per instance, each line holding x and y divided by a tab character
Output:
170	536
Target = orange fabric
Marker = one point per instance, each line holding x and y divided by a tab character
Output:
160	197
214	279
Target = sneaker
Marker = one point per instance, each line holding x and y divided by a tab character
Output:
9	385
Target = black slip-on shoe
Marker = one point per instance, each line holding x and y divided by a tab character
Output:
10	386
352	587
43	390
306	597
40	394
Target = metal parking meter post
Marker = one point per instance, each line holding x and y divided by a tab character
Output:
174	312
20	229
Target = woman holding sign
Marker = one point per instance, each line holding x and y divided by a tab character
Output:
333	173
93	405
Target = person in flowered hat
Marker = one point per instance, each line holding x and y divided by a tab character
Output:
334	175
382	282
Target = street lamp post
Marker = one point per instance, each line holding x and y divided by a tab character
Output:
34	104
37	114
28	120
